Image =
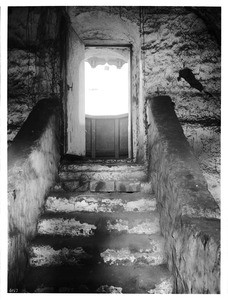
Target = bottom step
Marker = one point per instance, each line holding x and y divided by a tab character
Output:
99	278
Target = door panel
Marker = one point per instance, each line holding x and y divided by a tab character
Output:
123	132
75	95
107	136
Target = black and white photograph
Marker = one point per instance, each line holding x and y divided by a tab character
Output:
112	136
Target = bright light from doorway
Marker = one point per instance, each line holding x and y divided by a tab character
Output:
106	90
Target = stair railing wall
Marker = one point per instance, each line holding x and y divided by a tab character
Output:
33	159
189	214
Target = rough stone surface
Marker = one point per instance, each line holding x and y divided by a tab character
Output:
171	43
33	61
109	289
75	186
188	213
126	257
205	143
102	186
31	173
47	256
146	227
98	203
99	175
103	166
127	186
65	227
197	253
165	287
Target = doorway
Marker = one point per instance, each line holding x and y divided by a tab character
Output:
107	102
96	124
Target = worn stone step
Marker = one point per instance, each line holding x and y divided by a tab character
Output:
100	202
90	172
100	278
110	186
46	255
101	186
102	241
104	166
87	224
73	159
107	174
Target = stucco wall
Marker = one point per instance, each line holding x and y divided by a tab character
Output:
189	213
32	168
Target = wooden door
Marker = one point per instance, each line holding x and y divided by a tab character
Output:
107	136
75	95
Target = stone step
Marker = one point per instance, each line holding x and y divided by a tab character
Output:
60	201
110	186
87	224
103	172
100	278
46	255
100	166
102	241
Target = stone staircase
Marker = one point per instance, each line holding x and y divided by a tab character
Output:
99	233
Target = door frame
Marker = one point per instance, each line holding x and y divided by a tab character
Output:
128	46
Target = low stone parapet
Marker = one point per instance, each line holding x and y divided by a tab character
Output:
189	214
33	159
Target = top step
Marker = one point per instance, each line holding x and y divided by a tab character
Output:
97	166
107	170
74	159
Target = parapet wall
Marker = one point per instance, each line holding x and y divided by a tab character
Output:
189	214
33	159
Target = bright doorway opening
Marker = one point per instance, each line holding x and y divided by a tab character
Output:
106	89
107	102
